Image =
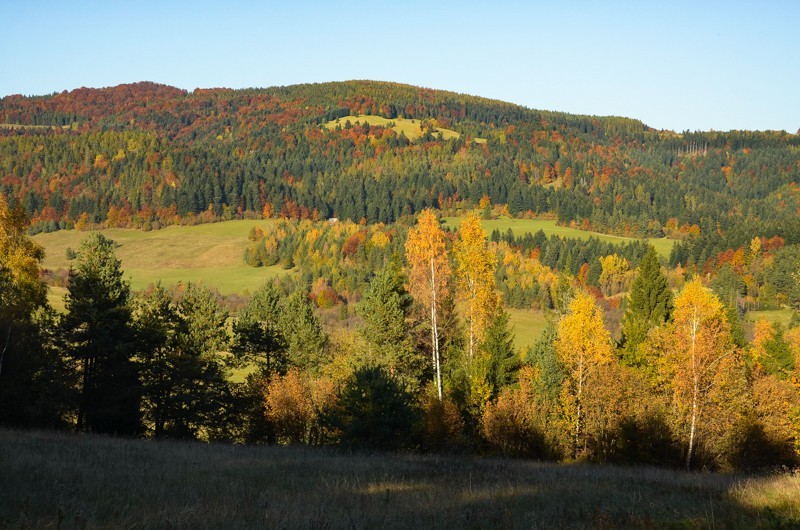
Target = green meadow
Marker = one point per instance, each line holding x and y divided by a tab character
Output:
211	254
527	326
783	316
522	226
51	480
407	126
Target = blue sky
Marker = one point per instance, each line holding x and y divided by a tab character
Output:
673	65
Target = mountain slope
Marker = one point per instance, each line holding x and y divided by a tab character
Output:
147	155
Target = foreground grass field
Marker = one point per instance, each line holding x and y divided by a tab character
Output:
522	226
207	253
69	481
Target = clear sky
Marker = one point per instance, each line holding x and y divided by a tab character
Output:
674	65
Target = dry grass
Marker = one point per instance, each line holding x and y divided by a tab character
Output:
68	481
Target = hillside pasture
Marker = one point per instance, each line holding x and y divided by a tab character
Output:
65	480
211	254
411	128
522	226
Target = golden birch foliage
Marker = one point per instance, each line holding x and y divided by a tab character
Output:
426	254
294	405
615	274
428	276
583	345
776	403
701	340
583	340
21	255
475	266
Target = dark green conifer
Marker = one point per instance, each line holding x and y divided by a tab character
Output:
650	304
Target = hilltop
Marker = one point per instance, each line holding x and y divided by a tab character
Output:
146	155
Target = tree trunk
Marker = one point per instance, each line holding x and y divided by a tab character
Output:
435	331
695	390
5	347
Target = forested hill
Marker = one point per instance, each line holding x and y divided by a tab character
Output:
146	155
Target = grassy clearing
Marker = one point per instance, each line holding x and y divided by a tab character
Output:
208	253
71	481
528	326
522	226
13	126
784	316
407	126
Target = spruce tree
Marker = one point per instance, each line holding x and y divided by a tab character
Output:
650	304
504	361
385	311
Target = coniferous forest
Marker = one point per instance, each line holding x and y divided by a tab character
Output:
390	329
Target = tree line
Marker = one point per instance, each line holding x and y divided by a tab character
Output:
428	363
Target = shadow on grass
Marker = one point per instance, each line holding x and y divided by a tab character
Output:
51	480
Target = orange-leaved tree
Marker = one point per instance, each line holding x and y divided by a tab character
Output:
428	276
583	345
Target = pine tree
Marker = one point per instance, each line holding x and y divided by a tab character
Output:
257	334
100	337
498	344
183	378
650	304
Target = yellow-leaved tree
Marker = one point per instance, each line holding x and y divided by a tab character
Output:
428	277
21	289
699	358
583	345
475	287
475	284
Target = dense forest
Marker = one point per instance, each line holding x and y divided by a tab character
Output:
393	332
146	155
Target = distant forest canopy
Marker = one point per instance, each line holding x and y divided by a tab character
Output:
146	155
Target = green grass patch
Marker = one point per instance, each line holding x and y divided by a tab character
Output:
14	126
411	128
209	253
65	480
783	316
522	226
527	326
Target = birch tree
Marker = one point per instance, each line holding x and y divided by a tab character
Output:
475	285
583	345
701	340
428	277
